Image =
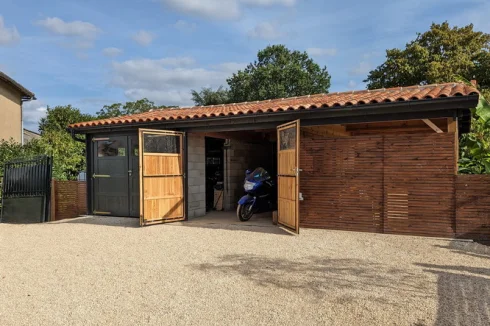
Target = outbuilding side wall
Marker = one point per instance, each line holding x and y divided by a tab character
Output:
401	183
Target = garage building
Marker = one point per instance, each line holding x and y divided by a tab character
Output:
373	160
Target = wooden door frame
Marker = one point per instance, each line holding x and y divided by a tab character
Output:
183	167
297	125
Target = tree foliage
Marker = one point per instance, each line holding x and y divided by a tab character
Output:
278	72
68	154
436	56
128	108
60	117
208	96
475	146
446	54
11	150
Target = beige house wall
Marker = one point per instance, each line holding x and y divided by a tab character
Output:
10	113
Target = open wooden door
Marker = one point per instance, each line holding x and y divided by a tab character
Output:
162	197
288	175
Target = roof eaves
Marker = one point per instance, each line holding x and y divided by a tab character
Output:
25	92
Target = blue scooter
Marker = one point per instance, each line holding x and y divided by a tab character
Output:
260	195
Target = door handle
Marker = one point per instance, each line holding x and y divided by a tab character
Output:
100	176
130	172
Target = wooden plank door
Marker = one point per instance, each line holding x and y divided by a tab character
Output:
162	197
288	175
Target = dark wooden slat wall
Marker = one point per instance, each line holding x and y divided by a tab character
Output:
473	207
342	183
400	184
419	168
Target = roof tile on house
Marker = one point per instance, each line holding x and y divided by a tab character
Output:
309	102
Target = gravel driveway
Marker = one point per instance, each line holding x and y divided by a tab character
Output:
107	271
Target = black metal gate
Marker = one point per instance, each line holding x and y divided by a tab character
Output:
26	190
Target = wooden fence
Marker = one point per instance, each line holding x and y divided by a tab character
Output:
473	207
68	199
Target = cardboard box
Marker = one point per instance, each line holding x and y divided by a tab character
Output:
218	200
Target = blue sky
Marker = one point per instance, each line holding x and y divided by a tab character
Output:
91	53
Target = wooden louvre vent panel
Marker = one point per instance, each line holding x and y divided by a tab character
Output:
400	184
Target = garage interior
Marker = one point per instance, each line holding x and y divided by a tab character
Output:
238	152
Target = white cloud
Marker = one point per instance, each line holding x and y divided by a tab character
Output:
112	52
167	81
212	9
362	69
220	9
143	37
265	31
75	28
33	111
266	3
8	35
162	97
320	52
185	26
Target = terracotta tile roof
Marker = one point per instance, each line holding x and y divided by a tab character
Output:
319	101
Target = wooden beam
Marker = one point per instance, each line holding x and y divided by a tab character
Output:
328	130
433	126
452	127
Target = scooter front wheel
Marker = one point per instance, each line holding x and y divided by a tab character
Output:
244	212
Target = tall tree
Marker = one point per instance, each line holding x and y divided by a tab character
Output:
208	96
68	154
59	117
446	54
436	56
128	108
278	72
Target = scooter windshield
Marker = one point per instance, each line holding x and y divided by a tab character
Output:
259	174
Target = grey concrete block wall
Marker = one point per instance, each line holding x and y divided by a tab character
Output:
196	175
239	157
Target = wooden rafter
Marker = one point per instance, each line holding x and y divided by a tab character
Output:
433	126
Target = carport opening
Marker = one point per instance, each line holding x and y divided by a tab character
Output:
238	152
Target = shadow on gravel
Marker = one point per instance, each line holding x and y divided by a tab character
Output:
468	248
239	227
125	222
322	278
463	294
